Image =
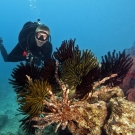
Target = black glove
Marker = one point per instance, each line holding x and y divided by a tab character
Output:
1	41
29	57
32	59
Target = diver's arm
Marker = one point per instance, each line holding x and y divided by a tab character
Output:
3	52
16	54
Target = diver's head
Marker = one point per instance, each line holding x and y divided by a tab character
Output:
42	34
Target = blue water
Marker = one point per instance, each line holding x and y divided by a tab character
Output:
97	25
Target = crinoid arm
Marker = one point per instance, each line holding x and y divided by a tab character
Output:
80	71
115	63
19	79
65	51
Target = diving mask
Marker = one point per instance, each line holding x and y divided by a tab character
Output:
41	35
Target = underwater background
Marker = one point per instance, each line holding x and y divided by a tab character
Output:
97	25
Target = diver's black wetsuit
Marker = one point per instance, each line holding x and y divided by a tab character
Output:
27	44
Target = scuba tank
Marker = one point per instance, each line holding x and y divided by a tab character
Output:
28	28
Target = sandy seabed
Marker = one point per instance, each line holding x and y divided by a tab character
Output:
9	120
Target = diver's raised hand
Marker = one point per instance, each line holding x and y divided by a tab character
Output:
1	41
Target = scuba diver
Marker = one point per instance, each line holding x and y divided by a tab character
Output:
34	44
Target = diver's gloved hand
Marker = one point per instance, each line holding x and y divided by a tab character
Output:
1	41
31	59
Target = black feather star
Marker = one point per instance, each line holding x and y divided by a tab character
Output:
115	63
19	79
65	51
48	70
86	85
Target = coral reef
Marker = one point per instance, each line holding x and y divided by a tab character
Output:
131	94
122	118
72	92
